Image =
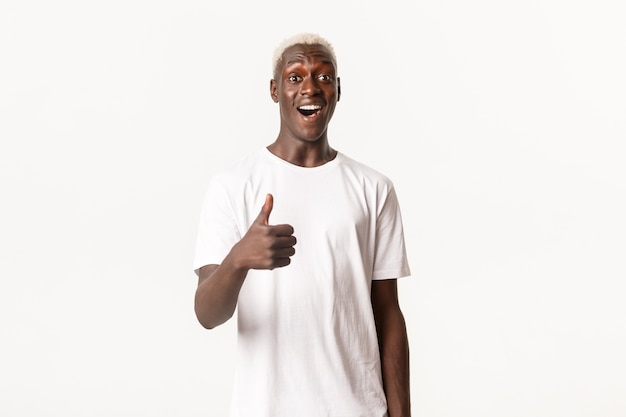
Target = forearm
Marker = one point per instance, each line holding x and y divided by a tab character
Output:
262	247
217	293
394	351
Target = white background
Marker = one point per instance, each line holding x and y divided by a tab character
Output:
501	123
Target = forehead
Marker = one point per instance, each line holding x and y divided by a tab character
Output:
302	53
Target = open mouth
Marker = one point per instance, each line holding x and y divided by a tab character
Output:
309	109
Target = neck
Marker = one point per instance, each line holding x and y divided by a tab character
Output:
304	154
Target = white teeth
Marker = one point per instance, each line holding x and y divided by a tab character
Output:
310	107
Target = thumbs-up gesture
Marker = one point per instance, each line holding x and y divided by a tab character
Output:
265	246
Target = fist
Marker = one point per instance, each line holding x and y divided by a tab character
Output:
265	246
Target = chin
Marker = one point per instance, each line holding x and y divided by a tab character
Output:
312	133
310	136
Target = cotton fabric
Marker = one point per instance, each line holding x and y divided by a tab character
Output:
307	343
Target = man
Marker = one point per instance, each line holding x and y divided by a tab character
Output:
320	330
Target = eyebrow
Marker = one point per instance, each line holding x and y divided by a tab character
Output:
303	60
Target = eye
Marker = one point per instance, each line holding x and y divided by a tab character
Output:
325	78
293	78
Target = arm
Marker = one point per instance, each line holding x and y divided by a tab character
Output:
262	247
394	346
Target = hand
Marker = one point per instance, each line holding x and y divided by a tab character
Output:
265	246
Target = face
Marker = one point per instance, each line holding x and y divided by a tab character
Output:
306	88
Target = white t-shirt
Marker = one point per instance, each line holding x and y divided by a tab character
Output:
307	343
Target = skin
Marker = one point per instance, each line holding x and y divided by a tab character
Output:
262	247
394	346
305	75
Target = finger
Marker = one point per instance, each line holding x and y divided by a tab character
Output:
280	262
284	252
264	215
284	242
282	230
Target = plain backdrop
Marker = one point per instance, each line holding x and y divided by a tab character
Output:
502	125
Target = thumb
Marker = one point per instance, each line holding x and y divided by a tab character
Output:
264	215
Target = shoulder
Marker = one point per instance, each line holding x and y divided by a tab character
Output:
366	173
239	170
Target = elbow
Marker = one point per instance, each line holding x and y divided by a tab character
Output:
205	321
207	324
209	321
211	311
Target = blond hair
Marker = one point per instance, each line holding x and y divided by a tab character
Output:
301	39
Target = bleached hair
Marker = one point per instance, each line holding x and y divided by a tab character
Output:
301	39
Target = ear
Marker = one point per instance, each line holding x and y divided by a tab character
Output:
338	88
274	90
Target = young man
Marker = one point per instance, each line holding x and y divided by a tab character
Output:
320	330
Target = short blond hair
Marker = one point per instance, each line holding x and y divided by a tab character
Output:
300	39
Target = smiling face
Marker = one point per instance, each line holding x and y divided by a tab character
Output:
306	88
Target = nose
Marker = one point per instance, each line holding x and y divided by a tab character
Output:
309	87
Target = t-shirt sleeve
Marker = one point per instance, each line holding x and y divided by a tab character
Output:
390	259
217	230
